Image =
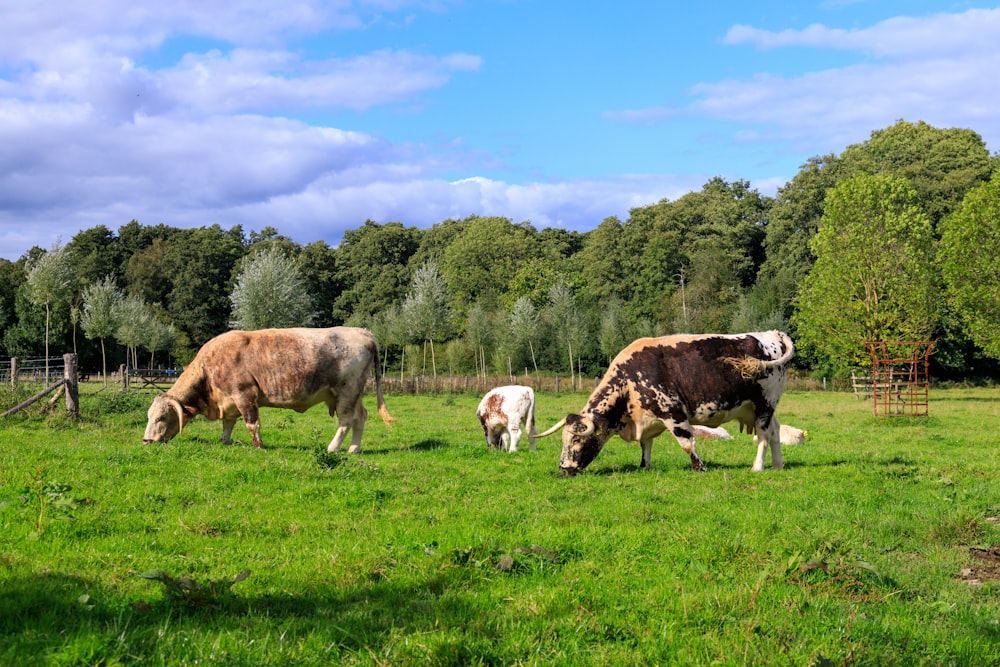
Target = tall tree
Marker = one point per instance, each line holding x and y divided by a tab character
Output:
481	261
874	276
51	279
101	311
570	328
201	263
318	262
270	291
425	309
135	320
970	264
373	270
941	164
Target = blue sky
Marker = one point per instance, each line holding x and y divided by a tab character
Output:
312	116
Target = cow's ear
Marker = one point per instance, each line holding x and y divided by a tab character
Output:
601	423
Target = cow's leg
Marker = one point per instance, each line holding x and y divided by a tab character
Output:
515	437
764	436
504	441
647	453
682	432
227	429
251	416
773	434
360	417
351	416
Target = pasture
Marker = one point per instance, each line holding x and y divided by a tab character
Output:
875	546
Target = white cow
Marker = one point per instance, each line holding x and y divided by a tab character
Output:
792	436
503	411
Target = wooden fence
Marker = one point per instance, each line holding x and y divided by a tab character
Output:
67	385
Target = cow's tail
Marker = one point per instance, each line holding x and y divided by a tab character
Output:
751	368
383	411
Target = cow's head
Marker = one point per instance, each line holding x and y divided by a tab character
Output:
165	419
582	442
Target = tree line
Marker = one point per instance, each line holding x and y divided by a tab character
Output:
893	238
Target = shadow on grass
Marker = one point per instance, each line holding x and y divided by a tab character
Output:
44	613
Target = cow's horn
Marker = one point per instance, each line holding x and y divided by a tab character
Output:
589	427
180	412
562	422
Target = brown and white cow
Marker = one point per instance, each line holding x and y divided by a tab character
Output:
669	383
503	411
238	372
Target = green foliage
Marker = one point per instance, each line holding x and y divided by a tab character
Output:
722	258
372	270
874	277
270	292
970	263
44	501
51	280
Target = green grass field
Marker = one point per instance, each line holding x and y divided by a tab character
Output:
427	549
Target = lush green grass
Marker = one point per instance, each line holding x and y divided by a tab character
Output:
429	549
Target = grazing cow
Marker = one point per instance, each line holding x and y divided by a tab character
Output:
669	383
503	411
238	372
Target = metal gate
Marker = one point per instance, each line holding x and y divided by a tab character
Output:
900	377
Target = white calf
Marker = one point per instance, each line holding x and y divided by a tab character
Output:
503	411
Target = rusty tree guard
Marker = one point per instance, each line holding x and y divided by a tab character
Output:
900	377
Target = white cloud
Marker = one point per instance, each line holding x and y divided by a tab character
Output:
970	33
930	68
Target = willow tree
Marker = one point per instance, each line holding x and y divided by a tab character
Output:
425	308
874	276
101	312
270	291
50	281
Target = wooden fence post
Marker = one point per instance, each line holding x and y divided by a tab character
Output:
123	370
72	387
13	372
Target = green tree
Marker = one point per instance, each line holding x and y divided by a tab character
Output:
515	348
318	262
571	332
101	311
941	164
481	261
12	277
201	264
51	280
614	332
135	320
161	337
95	253
479	332
970	264
270	292
373	270
874	273
425	308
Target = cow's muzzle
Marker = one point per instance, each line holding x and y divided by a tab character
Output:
569	472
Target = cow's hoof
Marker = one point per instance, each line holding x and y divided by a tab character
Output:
354	450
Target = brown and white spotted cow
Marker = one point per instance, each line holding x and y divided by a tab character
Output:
503	411
238	372
669	383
